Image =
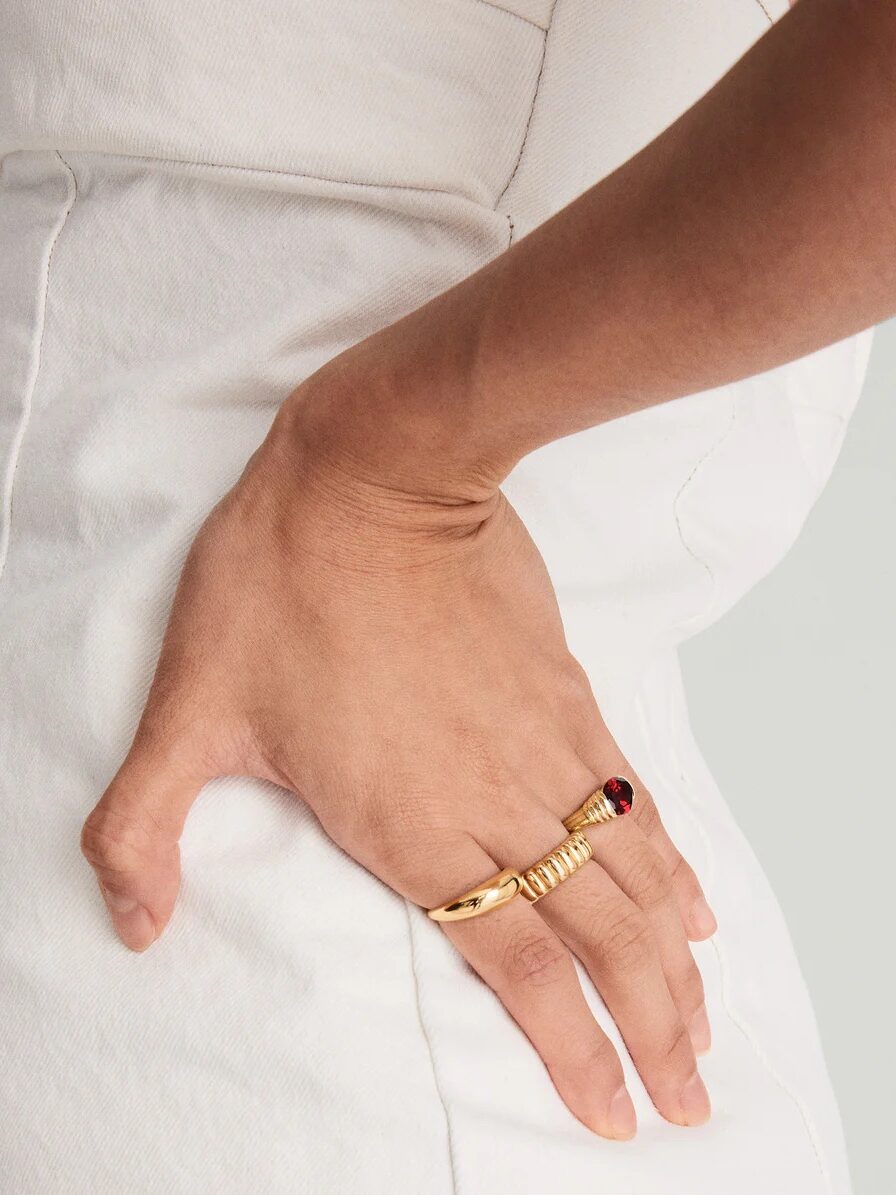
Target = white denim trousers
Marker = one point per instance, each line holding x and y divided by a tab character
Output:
200	204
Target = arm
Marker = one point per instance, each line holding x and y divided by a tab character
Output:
364	620
757	228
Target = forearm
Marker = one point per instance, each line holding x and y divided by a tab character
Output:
757	228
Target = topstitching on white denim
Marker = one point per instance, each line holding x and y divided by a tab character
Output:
678	783
34	371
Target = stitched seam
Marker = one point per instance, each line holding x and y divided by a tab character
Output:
740	1024
296	174
752	1040
418	998
711	450
509	11
767	13
31	385
525	138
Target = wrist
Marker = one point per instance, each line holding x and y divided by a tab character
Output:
404	409
357	438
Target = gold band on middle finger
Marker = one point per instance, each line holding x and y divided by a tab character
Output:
545	875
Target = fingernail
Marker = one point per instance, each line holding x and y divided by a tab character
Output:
694	1102
698	1028
132	922
622	1115
703	921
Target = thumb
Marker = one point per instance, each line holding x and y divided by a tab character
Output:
131	837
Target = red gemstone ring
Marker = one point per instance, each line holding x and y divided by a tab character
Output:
614	799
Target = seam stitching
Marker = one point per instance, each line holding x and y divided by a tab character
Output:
535	92
34	372
768	15
676	501
510	12
752	1040
743	1027
418	999
273	170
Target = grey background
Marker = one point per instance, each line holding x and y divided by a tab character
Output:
813	651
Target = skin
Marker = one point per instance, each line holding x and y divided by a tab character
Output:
364	619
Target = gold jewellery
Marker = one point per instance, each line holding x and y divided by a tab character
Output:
614	799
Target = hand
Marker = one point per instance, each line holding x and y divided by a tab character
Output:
398	662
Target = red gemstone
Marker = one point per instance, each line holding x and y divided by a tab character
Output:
620	794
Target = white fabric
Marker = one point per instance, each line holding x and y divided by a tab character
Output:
199	204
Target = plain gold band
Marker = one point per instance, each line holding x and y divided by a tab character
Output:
534	883
491	895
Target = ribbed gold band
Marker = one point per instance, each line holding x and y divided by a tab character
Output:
593	812
544	876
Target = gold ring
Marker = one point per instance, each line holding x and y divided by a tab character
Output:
534	883
544	876
491	895
614	799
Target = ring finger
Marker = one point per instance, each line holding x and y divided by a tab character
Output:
601	757
636	866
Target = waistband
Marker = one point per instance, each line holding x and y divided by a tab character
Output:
431	94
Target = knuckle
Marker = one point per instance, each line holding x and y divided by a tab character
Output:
646	814
403	858
677	1051
648	882
689	989
400	829
486	768
535	959
626	943
369	803
392	820
682	874
370	816
599	1057
367	829
574	685
115	842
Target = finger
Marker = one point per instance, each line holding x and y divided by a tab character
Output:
637	870
636	866
131	836
696	915
616	943
600	754
532	974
